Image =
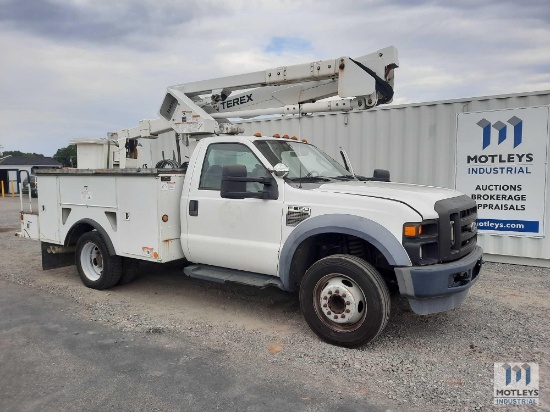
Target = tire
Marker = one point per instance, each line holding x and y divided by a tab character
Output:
130	269
344	300
96	267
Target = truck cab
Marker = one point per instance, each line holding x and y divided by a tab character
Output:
238	212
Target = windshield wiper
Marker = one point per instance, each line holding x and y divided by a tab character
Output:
310	179
345	177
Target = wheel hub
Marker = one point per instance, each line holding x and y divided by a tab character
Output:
342	301
92	261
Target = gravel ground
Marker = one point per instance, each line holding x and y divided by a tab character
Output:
436	362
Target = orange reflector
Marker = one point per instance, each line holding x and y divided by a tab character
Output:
276	135
294	138
155	255
165	218
412	230
257	134
304	140
285	136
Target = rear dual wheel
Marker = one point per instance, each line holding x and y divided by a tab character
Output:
96	267
344	300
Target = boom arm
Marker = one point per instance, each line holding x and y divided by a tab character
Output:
362	83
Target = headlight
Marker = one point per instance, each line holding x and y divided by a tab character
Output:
421	241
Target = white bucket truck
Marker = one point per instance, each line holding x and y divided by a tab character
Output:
264	211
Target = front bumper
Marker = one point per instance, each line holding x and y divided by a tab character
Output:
440	287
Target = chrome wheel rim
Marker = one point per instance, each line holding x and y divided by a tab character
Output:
339	302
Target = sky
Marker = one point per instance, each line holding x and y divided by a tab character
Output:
82	68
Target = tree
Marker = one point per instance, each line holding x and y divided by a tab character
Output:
18	153
66	156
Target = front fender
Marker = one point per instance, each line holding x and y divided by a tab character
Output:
361	227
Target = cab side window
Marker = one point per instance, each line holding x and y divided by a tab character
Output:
221	154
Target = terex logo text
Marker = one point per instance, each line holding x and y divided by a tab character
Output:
501	127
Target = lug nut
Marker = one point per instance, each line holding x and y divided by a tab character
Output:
335	316
324	297
348	303
347	311
344	295
330	292
336	291
325	305
329	313
343	316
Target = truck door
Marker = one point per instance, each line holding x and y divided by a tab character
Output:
240	234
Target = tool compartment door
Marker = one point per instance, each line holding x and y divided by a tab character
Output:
48	209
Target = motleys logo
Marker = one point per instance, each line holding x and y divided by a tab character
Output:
501	127
516	371
516	383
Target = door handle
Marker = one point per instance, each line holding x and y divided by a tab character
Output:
193	208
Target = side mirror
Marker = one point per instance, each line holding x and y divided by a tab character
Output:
234	180
281	170
381	175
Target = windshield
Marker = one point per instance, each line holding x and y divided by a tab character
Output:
303	160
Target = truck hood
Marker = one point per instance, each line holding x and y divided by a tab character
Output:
420	198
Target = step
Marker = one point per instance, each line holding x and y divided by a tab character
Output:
222	275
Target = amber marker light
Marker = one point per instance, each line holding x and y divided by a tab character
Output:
294	138
304	140
285	136
257	134
277	135
165	218
412	230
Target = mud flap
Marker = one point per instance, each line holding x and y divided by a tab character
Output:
55	260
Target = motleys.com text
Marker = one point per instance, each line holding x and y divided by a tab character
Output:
499	225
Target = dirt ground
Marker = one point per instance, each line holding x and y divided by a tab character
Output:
437	362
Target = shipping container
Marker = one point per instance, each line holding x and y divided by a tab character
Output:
417	143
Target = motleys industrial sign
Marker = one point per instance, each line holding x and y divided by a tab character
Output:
501	158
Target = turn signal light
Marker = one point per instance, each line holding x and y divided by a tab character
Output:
412	230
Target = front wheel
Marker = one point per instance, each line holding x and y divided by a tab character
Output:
96	267
344	300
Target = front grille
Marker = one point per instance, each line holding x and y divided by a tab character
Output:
457	227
